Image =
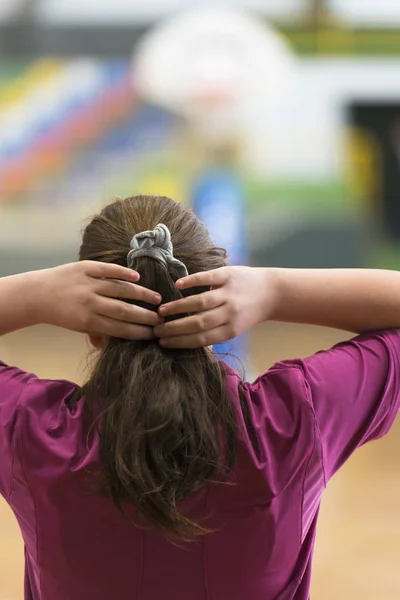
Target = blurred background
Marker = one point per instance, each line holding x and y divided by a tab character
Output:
277	120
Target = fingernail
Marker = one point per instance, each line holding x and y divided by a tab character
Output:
161	321
162	310
157	299
179	282
163	343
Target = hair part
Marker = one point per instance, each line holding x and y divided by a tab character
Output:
165	422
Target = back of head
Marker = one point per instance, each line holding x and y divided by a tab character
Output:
165	423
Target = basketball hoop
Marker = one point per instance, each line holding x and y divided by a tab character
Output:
220	69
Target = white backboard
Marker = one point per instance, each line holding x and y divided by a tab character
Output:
219	68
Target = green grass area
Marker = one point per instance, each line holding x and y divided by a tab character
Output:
316	198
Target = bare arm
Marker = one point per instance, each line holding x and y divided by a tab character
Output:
18	306
356	300
84	297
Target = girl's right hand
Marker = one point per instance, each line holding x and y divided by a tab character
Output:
89	297
240	297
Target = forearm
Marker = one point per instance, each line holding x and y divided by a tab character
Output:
18	301
354	300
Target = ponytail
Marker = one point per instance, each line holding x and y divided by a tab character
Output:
165	422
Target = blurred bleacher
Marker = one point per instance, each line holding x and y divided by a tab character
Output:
55	116
70	132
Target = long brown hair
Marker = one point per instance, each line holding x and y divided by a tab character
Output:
165	422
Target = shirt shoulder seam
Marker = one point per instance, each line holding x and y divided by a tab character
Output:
308	400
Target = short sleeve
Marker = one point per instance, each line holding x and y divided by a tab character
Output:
12	384
354	392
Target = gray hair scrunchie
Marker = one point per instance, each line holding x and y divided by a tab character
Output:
157	244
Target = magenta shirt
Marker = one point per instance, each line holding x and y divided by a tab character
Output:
306	418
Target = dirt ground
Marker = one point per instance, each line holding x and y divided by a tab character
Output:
358	543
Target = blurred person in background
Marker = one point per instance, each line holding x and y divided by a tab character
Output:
166	476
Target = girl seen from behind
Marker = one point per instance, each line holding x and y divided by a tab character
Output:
166	476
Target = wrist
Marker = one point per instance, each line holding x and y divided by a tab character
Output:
20	301
37	297
272	285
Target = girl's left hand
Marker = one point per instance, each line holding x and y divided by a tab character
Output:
87	297
239	298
